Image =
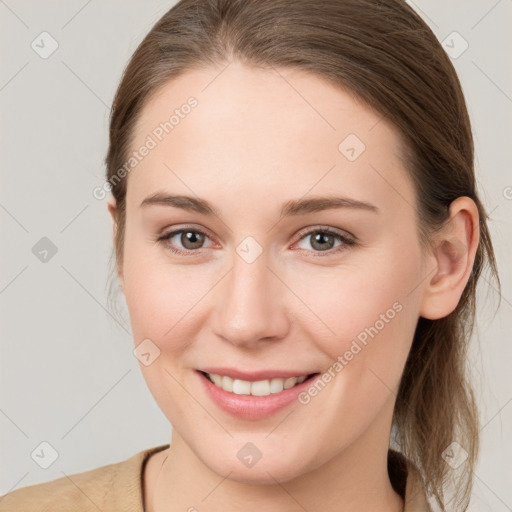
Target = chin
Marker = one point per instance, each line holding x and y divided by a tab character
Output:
267	475
265	471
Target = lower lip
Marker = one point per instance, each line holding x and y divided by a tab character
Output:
251	407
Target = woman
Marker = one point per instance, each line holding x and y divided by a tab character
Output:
298	238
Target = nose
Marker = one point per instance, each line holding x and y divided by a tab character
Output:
252	306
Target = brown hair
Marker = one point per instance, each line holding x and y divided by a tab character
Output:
387	56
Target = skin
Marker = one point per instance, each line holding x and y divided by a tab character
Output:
252	143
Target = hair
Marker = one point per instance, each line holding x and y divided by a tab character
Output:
388	58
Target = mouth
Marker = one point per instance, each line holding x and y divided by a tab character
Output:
253	395
262	387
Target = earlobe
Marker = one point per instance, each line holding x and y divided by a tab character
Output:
112	208
453	255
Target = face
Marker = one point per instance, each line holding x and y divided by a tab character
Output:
268	284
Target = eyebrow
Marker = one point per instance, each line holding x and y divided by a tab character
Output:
293	207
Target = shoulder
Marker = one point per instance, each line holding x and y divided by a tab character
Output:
79	491
101	488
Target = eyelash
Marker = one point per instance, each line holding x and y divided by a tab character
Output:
346	242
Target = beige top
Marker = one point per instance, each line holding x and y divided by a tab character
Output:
118	487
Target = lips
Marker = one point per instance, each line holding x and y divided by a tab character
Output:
245	404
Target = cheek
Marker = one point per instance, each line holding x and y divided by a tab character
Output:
371	310
364	294
160	301
373	314
155	292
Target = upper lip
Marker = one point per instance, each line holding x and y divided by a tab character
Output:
255	375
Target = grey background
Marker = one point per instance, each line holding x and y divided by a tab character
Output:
68	375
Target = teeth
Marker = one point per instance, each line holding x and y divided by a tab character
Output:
258	388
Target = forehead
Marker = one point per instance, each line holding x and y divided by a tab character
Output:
263	132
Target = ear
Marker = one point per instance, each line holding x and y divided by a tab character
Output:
112	208
452	259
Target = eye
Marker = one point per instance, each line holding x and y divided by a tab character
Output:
323	240
191	240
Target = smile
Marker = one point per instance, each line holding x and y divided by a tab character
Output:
256	388
253	395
